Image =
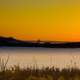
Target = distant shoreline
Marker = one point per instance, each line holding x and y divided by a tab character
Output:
11	42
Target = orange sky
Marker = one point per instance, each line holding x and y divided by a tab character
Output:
54	20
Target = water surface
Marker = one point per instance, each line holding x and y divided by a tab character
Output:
41	57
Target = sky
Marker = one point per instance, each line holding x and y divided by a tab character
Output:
52	20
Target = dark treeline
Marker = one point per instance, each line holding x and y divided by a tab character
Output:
11	42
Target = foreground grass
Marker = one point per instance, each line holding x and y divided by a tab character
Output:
34	73
16	73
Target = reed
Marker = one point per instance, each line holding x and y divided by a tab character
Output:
32	73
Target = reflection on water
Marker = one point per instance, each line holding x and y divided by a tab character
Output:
41	57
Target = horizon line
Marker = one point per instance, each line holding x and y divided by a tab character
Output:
39	40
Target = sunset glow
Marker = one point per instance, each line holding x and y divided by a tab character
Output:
52	20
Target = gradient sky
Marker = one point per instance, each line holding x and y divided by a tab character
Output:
54	20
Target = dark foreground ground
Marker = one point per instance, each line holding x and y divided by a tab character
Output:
15	73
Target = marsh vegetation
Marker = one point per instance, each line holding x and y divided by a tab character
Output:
35	73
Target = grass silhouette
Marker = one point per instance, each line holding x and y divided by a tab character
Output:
34	73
